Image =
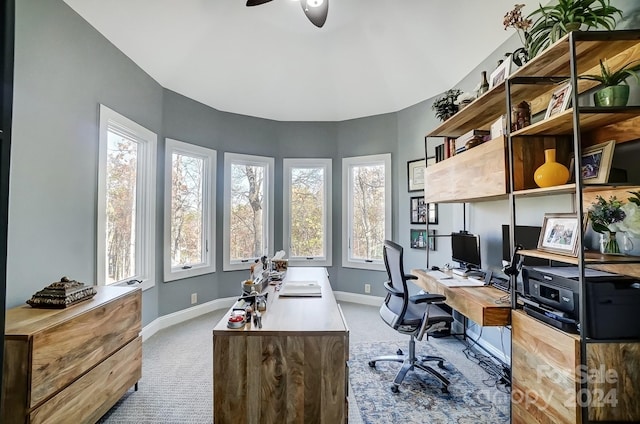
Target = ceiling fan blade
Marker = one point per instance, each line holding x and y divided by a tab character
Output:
316	11
256	2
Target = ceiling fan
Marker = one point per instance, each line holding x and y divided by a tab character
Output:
316	10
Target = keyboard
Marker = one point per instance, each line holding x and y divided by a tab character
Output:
501	285
438	275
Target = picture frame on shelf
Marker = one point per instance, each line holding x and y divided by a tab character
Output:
415	174
559	234
559	101
431	240
595	163
432	213
500	74
418	210
417	238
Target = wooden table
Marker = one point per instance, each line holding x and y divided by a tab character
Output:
476	303
293	369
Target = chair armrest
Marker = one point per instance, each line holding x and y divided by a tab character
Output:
427	298
410	277
390	289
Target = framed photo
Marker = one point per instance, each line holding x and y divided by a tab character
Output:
418	239
595	163
559	102
432	240
415	173
418	210
500	74
559	234
432	213
431	160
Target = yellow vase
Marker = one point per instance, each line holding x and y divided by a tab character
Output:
551	173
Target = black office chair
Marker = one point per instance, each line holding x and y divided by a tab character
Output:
413	315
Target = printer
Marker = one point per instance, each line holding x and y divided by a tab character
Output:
552	294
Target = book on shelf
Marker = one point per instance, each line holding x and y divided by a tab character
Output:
464	138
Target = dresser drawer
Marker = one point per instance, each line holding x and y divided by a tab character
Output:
62	353
91	396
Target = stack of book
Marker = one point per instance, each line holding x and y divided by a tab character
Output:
61	294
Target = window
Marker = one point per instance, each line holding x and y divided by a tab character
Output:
366	210
307	211
126	201
189	214
248	209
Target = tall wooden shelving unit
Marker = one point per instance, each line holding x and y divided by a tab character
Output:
546	363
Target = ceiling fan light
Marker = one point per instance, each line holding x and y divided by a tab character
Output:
314	3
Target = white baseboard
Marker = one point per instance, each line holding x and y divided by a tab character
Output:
186	314
363	299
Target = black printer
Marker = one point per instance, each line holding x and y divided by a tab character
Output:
551	294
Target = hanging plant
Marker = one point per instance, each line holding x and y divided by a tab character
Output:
446	106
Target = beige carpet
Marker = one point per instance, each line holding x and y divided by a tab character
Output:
176	384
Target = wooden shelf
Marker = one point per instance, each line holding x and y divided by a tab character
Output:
478	115
546	191
619	46
590	258
590	118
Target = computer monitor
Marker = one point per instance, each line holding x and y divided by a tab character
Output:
465	249
526	236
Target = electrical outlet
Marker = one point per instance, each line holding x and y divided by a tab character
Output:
194	298
367	288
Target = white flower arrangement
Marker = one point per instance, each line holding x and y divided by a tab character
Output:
631	221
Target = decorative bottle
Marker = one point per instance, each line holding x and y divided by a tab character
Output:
551	173
484	84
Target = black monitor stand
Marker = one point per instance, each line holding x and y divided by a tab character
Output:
468	271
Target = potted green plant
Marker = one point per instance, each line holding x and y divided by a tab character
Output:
446	106
615	91
550	23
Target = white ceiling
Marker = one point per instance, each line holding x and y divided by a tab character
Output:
269	61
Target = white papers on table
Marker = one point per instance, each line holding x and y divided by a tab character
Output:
301	288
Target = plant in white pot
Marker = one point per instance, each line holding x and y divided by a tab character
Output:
551	22
615	90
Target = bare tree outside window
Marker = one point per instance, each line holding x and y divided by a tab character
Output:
187	224
307	212
122	180
246	220
368	229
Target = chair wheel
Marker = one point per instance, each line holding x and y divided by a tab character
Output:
441	365
395	389
372	363
399	352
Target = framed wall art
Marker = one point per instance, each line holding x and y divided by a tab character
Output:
418	210
415	174
500	74
418	238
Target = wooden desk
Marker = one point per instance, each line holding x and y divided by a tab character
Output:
476	303
293	369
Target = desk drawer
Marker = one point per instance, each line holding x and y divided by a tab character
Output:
64	352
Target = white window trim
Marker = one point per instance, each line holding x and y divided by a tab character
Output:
347	163
288	165
269	162
208	157
148	159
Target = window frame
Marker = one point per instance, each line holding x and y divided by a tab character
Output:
269	183
146	202
347	208
287	166
209	157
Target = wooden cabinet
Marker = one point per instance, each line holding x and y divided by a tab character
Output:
72	364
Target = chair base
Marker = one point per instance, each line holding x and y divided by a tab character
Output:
410	362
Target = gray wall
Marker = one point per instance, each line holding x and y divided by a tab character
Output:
64	69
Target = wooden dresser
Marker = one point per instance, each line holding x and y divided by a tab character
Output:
73	364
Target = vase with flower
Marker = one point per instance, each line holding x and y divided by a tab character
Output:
630	224
605	217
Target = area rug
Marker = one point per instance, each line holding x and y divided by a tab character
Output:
420	399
